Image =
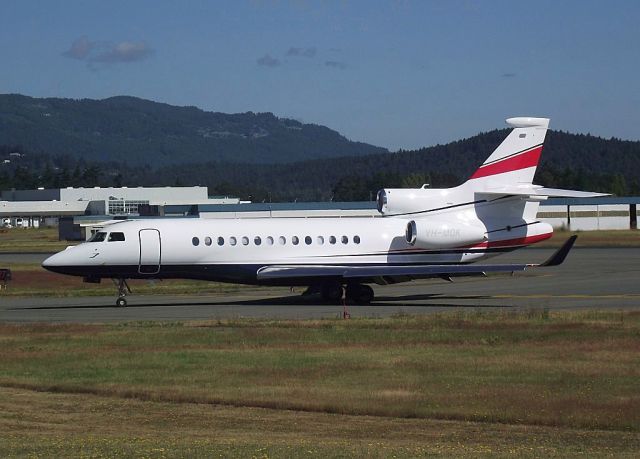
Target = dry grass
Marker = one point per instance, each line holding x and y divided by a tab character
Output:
35	424
566	370
18	240
457	384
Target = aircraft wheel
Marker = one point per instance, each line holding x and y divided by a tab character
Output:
360	294
121	302
332	291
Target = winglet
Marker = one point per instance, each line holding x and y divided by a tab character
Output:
558	257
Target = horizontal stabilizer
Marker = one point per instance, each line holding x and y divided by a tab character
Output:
534	190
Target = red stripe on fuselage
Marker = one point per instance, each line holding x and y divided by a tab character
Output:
525	159
511	242
483	245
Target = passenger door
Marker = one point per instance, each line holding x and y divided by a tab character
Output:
150	251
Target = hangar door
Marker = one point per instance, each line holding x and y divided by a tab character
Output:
149	251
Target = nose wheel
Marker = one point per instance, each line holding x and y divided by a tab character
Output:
123	290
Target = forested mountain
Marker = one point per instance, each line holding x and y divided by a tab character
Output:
138	131
568	161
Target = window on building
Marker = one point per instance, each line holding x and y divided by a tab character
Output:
195	241
116	237
122	206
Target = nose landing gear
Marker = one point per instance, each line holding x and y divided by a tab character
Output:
123	290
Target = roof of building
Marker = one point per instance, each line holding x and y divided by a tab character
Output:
42	208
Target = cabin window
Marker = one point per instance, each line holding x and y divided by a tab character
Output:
220	240
282	240
257	240
207	240
345	240
98	237
295	240
195	241
332	239
245	240
232	240
116	237
356	239
307	240
320	240
269	240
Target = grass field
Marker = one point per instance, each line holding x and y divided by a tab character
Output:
523	384
19	240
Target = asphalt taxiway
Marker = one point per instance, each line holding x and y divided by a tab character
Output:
602	278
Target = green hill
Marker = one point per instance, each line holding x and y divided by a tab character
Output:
138	131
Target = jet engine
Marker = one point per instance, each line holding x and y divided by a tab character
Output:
433	233
397	201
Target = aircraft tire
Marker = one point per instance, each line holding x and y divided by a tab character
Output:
121	302
332	292
359	294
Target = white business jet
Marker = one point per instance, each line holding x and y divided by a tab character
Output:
421	233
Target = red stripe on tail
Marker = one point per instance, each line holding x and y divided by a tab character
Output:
525	159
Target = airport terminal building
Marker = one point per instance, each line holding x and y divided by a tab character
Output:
32	208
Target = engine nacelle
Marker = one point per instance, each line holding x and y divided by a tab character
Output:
397	201
432	233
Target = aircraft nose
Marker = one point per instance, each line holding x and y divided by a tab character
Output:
55	262
52	261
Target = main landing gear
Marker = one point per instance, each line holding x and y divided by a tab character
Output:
334	292
123	290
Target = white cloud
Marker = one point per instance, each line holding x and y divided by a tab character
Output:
125	51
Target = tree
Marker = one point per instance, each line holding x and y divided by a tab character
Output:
618	185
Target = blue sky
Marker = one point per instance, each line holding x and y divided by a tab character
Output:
399	74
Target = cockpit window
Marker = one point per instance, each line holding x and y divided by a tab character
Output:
98	237
116	237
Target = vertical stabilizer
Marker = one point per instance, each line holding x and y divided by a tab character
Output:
514	162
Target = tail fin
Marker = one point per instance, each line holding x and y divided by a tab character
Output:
516	158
